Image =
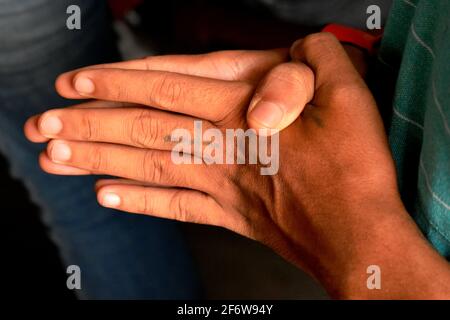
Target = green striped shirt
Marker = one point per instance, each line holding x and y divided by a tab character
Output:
416	50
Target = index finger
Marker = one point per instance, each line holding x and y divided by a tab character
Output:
206	98
324	54
244	65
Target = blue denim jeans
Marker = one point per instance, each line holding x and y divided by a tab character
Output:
121	256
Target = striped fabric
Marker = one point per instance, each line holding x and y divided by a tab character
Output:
416	46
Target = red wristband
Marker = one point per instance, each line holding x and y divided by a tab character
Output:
355	37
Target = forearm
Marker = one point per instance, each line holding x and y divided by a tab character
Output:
409	267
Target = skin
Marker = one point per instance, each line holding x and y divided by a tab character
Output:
333	209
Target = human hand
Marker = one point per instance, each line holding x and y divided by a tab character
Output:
321	211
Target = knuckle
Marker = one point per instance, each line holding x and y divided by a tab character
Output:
144	129
89	128
152	167
113	85
167	92
290	74
147	204
234	100
235	67
179	204
97	159
122	94
322	37
147	62
227	63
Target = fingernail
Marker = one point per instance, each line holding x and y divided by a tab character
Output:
60	151
111	200
84	85
267	113
51	125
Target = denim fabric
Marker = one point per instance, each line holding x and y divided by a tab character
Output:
120	255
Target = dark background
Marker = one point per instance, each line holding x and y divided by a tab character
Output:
24	243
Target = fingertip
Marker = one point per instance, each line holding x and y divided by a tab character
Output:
293	51
44	162
59	151
281	97
260	129
83	84
109	197
266	114
31	130
61	84
49	124
282	52
58	169
64	85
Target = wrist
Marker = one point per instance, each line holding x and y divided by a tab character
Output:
408	266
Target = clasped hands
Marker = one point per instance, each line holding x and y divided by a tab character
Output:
335	165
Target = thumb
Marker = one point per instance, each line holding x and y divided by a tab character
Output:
281	96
